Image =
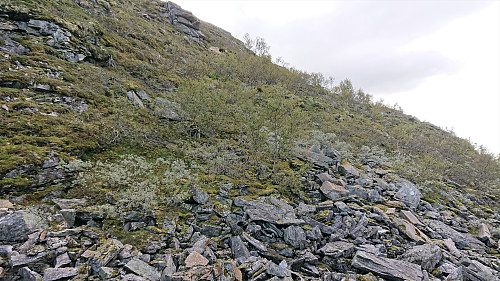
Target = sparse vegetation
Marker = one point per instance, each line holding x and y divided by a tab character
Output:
241	112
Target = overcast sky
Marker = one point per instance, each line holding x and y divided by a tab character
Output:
439	60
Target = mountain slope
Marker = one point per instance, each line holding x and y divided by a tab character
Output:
146	124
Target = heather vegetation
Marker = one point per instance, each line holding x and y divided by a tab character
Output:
120	121
236	105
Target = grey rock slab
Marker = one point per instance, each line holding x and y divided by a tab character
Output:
254	242
211	230
5	250
338	249
348	170
142	269
408	193
66	232
31	261
448	242
462	240
478	271
170	267
51	274
69	203
278	271
199	196
411	231
484	232
239	249
17	226
143	95
62	260
409	216
131	96
304	209
267	209
428	256
295	237
195	259
69	216
106	273
333	191
358	191
29	275
318	158
388	268
105	254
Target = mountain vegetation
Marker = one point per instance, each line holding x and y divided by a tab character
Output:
121	108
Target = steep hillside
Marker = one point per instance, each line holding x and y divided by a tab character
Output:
136	122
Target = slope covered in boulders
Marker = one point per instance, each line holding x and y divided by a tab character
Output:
138	142
356	225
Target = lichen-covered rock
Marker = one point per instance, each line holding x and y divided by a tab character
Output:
408	193
105	254
199	196
17	226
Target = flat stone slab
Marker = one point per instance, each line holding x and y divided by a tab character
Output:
143	269
388	268
333	191
195	259
51	274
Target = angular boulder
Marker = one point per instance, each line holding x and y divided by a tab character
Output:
411	231
338	249
387	268
462	240
333	191
295	237
142	269
408	193
52	274
428	255
105	254
29	275
17	226
239	249
195	259
349	171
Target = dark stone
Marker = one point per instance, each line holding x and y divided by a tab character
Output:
295	237
388	268
239	249
17	226
52	274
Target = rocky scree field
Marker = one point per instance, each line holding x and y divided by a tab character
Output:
140	143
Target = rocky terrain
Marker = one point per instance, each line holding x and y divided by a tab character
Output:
357	225
136	143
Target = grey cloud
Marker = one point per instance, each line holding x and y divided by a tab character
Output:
365	40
